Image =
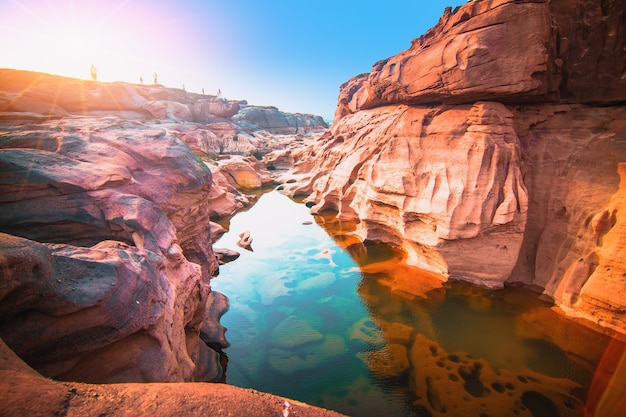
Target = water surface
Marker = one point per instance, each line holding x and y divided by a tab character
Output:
379	338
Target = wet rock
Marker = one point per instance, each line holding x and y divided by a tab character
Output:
317	282
460	384
292	332
312	356
391	361
365	331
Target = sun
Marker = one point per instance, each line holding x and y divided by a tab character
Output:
123	39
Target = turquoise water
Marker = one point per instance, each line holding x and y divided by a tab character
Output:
307	322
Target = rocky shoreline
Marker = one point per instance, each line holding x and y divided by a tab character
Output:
491	151
108	210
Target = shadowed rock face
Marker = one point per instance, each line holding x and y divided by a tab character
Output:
513	174
109	279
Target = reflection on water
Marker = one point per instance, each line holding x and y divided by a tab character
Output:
385	339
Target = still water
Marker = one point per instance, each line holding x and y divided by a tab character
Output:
308	322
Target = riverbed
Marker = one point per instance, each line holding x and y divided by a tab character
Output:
309	322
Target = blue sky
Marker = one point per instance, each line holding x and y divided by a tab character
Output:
289	54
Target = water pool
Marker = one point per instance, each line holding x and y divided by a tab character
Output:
308	322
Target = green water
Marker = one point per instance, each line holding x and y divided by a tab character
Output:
306	322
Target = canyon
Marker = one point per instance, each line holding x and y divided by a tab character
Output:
492	151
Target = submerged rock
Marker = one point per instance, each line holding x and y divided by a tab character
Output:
293	332
313	356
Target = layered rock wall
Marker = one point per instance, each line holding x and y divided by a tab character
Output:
491	151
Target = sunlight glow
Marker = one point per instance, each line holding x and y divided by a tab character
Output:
124	40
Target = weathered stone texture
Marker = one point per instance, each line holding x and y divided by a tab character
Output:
109	279
491	151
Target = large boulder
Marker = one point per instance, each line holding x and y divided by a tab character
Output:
109	279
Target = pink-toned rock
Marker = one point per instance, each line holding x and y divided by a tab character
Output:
206	109
89	314
120	289
245	173
169	110
441	196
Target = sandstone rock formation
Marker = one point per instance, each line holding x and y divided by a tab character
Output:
119	285
490	151
503	50
106	230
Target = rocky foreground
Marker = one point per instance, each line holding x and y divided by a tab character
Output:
109	198
493	150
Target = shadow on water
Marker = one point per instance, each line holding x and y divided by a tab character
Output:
317	316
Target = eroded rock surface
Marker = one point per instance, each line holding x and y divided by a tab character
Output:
504	50
106	253
490	151
107	218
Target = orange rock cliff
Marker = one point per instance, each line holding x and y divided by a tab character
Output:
493	150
